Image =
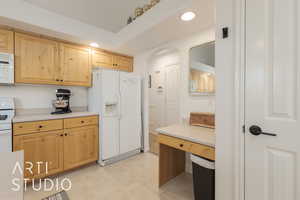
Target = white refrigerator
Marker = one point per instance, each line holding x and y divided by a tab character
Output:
116	96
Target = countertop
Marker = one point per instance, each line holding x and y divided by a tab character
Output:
197	134
40	117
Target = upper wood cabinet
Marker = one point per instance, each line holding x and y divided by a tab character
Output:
75	65
36	60
6	41
103	59
124	63
108	60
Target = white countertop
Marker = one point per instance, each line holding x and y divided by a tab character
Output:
40	117
197	134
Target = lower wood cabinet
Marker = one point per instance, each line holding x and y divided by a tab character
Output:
54	151
80	146
45	148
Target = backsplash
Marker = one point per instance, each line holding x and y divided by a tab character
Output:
39	97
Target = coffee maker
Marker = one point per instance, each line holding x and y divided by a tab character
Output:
62	102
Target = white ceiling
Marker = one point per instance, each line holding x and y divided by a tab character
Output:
110	15
172	28
158	26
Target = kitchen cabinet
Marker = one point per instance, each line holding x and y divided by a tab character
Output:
45	148
6	41
36	60
112	61
56	150
80	146
75	65
124	63
102	59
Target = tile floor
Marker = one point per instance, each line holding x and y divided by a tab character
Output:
133	179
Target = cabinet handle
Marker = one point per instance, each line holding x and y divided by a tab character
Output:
181	145
82	122
40	126
57	80
61	135
66	134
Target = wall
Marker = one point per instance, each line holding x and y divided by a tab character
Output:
40	96
188	103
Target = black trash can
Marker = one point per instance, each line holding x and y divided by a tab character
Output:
203	178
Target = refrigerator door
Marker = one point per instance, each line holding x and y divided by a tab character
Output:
110	93
104	99
109	138
130	118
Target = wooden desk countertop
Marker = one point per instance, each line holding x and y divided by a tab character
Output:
196	134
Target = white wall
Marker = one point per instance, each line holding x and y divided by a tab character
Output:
188	103
40	96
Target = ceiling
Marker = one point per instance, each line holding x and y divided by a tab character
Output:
86	21
172	28
110	15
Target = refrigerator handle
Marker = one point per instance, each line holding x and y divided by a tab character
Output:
120	106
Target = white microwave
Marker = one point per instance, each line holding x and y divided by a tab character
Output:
6	68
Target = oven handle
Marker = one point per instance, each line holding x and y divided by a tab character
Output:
5	132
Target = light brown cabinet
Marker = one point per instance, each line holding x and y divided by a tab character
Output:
45	148
112	61
56	150
103	59
36	60
75	65
124	63
44	61
80	146
6	41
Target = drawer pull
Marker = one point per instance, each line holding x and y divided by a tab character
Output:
61	135
181	145
66	134
82	122
40	126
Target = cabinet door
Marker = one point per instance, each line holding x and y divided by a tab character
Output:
124	63
75	64
36	60
80	146
46	148
102	59
6	41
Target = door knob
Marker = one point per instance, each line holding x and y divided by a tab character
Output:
256	130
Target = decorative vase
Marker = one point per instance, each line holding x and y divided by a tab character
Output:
138	12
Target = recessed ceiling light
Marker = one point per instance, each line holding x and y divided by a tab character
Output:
94	44
188	16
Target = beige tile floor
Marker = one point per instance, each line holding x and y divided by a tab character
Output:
133	179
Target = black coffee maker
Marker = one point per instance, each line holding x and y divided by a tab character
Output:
62	102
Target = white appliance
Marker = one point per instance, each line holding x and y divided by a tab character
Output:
6	68
116	96
7	112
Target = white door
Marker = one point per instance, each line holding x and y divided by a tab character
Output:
172	96
130	118
272	163
156	99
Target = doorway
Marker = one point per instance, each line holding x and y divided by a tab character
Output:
164	100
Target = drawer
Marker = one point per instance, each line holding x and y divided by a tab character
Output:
175	142
203	151
37	126
80	121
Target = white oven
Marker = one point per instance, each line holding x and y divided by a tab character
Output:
7	112
6	68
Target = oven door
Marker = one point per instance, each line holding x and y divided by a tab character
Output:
5	141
